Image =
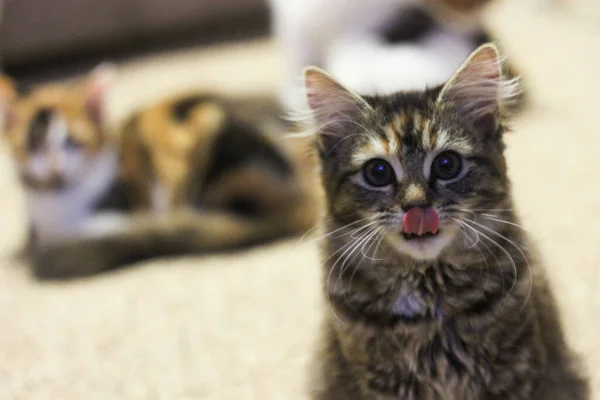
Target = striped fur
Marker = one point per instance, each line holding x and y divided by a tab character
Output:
462	314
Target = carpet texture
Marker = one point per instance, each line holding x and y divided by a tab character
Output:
243	325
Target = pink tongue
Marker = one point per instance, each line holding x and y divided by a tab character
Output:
419	220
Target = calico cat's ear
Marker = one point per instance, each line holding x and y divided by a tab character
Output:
97	86
8	93
334	108
477	90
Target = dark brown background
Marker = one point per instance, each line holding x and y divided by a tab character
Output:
43	35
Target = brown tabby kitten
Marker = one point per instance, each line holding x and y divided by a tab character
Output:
206	177
434	289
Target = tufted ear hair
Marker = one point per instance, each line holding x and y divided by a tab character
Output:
335	109
477	91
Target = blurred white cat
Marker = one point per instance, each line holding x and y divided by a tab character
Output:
351	39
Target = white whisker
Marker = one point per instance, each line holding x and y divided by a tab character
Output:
514	265
377	232
334	231
501	236
504	222
347	255
520	250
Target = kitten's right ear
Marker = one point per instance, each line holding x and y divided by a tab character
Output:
478	92
335	108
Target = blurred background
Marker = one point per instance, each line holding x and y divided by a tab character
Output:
244	325
49	38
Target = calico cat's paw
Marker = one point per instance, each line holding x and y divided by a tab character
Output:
68	260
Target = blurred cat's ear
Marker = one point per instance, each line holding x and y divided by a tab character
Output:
335	109
477	91
97	87
8	93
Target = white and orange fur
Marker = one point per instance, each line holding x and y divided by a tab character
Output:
71	162
155	167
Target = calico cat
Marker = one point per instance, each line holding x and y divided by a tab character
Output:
435	291
202	177
66	162
166	143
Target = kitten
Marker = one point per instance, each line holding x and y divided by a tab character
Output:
205	178
376	46
435	291
66	162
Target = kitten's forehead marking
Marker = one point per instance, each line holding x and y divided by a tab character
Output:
429	136
377	147
399	122
444	140
419	127
393	141
374	147
405	123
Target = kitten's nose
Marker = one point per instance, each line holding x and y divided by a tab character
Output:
419	220
415	194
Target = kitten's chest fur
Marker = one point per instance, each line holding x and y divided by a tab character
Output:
420	359
429	361
435	335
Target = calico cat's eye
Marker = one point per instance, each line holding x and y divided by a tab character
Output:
38	129
446	165
378	172
72	144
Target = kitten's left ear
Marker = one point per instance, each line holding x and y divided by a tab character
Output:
477	90
97	86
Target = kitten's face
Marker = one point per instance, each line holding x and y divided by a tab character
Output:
411	164
55	136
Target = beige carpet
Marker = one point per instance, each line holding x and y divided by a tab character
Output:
243	326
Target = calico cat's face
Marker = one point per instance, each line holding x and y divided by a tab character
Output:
54	131
414	164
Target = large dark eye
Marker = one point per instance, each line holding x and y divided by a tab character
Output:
446	165
378	172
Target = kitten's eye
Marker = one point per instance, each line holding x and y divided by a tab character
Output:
378	172
446	165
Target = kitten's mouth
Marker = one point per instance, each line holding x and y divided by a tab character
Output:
420	223
421	237
414	236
